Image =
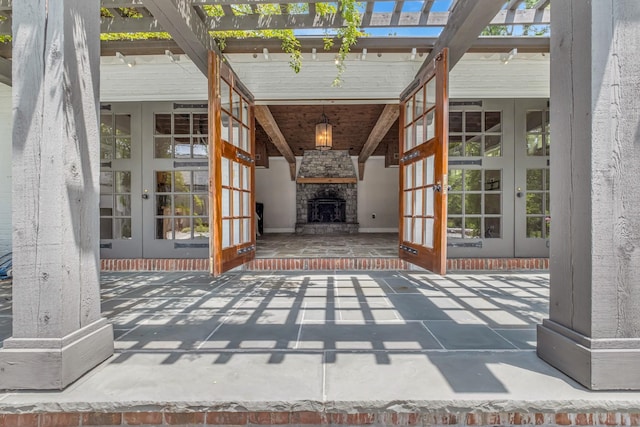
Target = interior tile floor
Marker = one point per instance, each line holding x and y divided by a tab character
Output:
290	245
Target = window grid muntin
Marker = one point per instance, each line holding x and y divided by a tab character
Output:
465	142
175	217
113	193
115	135
463	216
188	131
236	202
538	222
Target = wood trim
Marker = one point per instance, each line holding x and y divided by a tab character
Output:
387	118
215	172
327	180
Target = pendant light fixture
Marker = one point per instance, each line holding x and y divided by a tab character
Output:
324	134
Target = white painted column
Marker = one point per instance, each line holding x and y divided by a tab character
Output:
593	330
58	333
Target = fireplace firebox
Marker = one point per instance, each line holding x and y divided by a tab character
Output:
327	210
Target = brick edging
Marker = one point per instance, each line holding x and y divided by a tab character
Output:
385	418
313	264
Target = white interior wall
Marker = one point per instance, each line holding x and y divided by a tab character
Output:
377	194
5	168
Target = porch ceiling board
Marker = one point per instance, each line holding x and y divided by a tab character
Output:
388	117
271	128
468	19
179	18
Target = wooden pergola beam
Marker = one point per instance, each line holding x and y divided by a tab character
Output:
387	118
513	4
268	123
467	20
180	19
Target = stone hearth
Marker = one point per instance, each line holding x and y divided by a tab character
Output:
326	208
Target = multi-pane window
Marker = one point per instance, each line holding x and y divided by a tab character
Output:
538	140
537	198
475	203
115	136
181	136
237	207
115	205
418	202
115	183
475	133
182	204
475	198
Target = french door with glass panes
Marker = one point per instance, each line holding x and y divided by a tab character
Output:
175	190
532	180
423	169
120	181
232	169
480	206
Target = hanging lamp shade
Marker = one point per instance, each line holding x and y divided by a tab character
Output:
324	134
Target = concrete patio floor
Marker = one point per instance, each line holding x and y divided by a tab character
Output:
322	342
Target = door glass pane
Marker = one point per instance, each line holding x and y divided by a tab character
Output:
493	121
201	228
407	230
106	124
408	176
492	228
236	139
454	206
428	232
226	172
430	125
430	170
106	228
122	228
534	203
472	227
246	142
534	145
430	198
225	124
473	121
473	180
181	124
247	231
226	202
534	227
455	145
123	182
162	124
417	231
493	145
246	181
408	202
182	148
534	121
472	145
164	229
245	114
419	172
419	126
236	203
454	228
246	204
534	179
235	107
200	147
182	228
472	204
431	94
455	121
455	179
419	102
201	124
226	233
409	111
123	205
163	205
409	138
106	148
181	205
123	148
418	203
200	181
225	96
236	175
200	205
162	148
492	204
492	180
236	232
182	183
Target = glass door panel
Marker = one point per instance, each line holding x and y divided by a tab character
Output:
120	203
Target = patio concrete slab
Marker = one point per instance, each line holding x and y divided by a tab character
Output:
322	342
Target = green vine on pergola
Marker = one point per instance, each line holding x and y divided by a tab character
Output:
347	35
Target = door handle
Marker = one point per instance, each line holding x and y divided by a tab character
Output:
145	196
519	192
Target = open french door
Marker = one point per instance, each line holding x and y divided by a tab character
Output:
232	169
423	168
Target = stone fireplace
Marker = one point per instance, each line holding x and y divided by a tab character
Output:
326	193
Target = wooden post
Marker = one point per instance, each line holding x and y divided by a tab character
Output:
58	333
593	330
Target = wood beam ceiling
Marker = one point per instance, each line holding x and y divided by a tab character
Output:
270	126
388	117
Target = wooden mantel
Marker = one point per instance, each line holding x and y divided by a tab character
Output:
335	180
